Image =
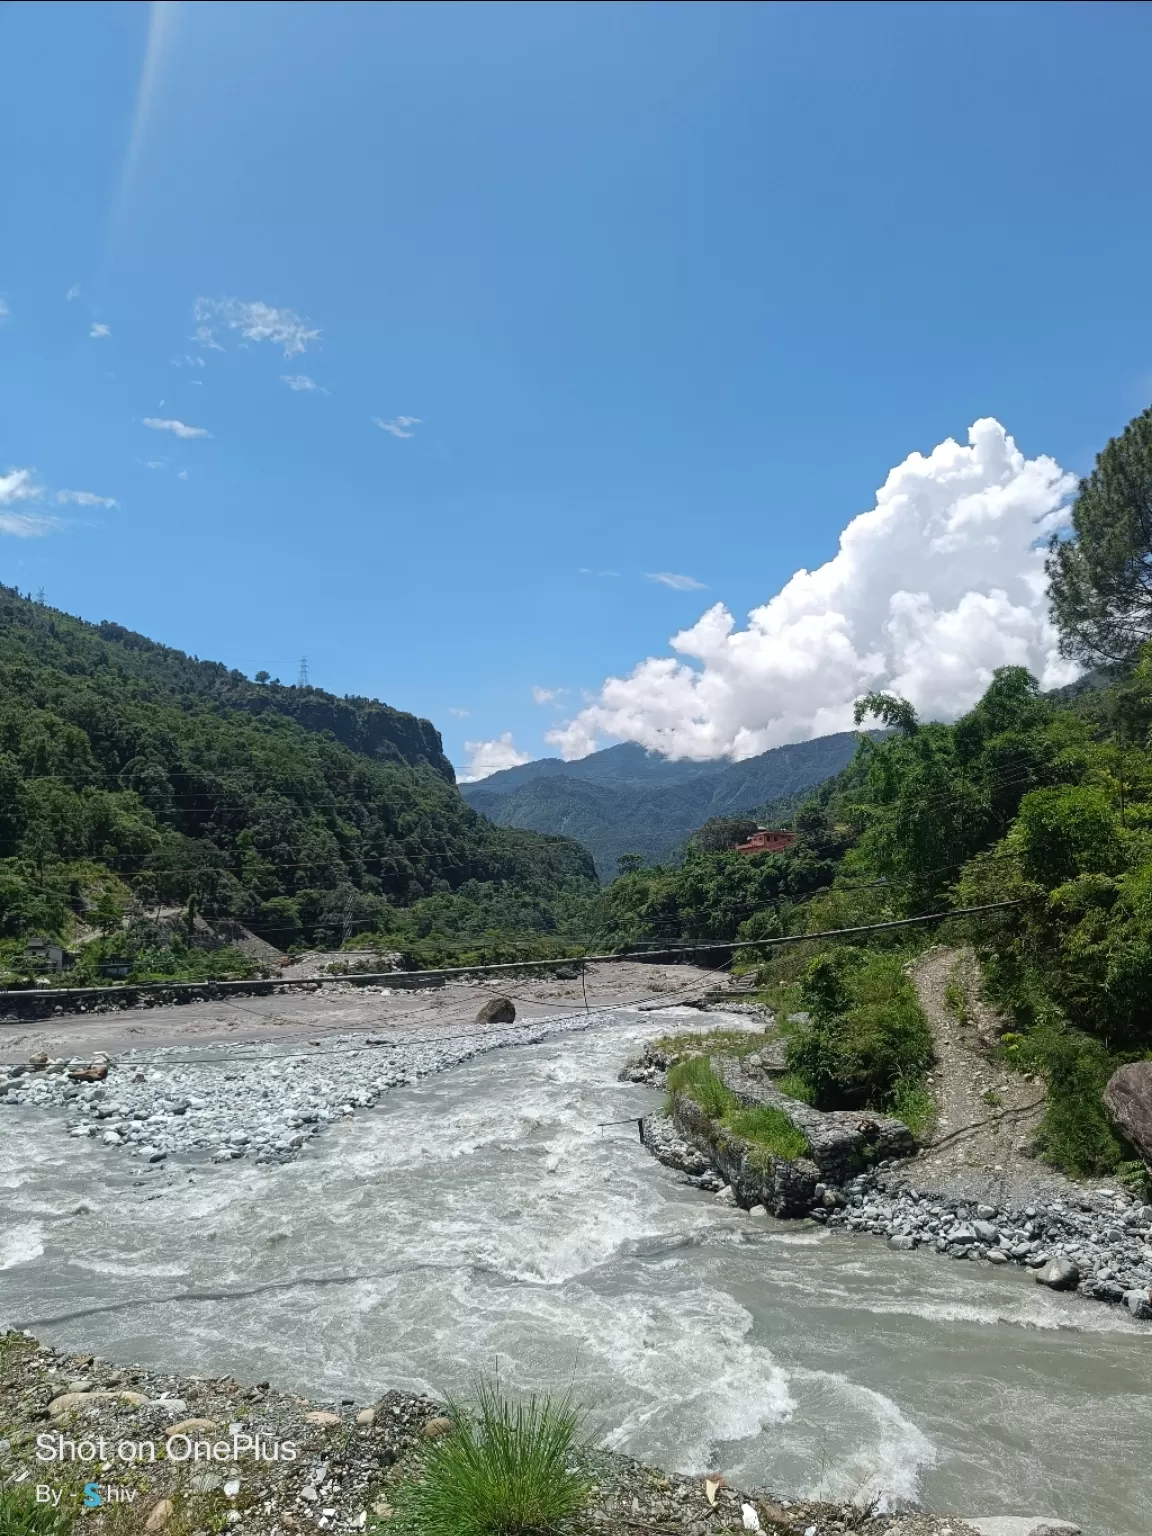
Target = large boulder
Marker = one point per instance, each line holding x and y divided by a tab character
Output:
1059	1275
1128	1099
497	1010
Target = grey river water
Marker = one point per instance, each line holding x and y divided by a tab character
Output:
482	1217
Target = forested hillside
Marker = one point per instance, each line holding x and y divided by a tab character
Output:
629	801
134	778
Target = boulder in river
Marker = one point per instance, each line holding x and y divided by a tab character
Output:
1059	1275
497	1010
1128	1099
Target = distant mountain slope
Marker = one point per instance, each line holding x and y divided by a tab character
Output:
134	777
626	800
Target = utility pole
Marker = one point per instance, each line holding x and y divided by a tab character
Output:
347	931
302	680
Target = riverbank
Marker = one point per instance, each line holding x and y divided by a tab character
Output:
277	1463
275	1080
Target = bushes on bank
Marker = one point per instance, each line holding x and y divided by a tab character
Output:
866	1041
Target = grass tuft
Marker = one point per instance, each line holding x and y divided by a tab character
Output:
696	1077
503	1471
20	1515
769	1130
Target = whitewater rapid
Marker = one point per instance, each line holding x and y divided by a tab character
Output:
489	1218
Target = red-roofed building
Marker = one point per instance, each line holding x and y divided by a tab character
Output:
767	841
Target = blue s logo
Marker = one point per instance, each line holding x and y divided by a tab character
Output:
92	1499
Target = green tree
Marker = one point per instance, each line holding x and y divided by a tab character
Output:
895	713
722	832
1100	581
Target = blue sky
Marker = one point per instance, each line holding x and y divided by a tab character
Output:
661	289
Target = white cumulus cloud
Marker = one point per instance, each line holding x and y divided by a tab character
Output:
4	311
73	293
86	499
399	426
487	757
677	583
548	695
929	592
298	381
19	485
98	331
461	714
255	321
178	428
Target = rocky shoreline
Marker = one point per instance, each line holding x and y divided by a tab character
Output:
261	1462
1096	1242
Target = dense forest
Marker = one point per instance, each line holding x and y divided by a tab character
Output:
136	782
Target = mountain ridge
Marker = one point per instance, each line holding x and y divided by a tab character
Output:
627	800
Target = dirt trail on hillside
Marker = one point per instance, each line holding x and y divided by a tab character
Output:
987	1115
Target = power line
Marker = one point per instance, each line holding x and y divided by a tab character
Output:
391	977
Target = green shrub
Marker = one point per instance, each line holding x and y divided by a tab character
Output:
503	1471
867	1033
769	1130
1075	1134
696	1078
20	1515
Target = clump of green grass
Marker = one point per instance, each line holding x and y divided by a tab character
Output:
796	1087
912	1103
992	1098
697	1078
504	1470
769	1130
20	1515
955	998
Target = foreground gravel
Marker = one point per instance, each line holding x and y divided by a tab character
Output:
286	1464
225	1102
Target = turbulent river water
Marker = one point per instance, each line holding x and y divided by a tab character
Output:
486	1218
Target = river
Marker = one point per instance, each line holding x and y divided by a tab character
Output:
486	1219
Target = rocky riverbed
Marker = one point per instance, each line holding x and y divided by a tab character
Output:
261	1101
274	1463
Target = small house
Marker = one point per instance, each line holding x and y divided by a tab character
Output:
43	955
767	840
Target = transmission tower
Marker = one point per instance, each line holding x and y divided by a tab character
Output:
302	680
40	596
